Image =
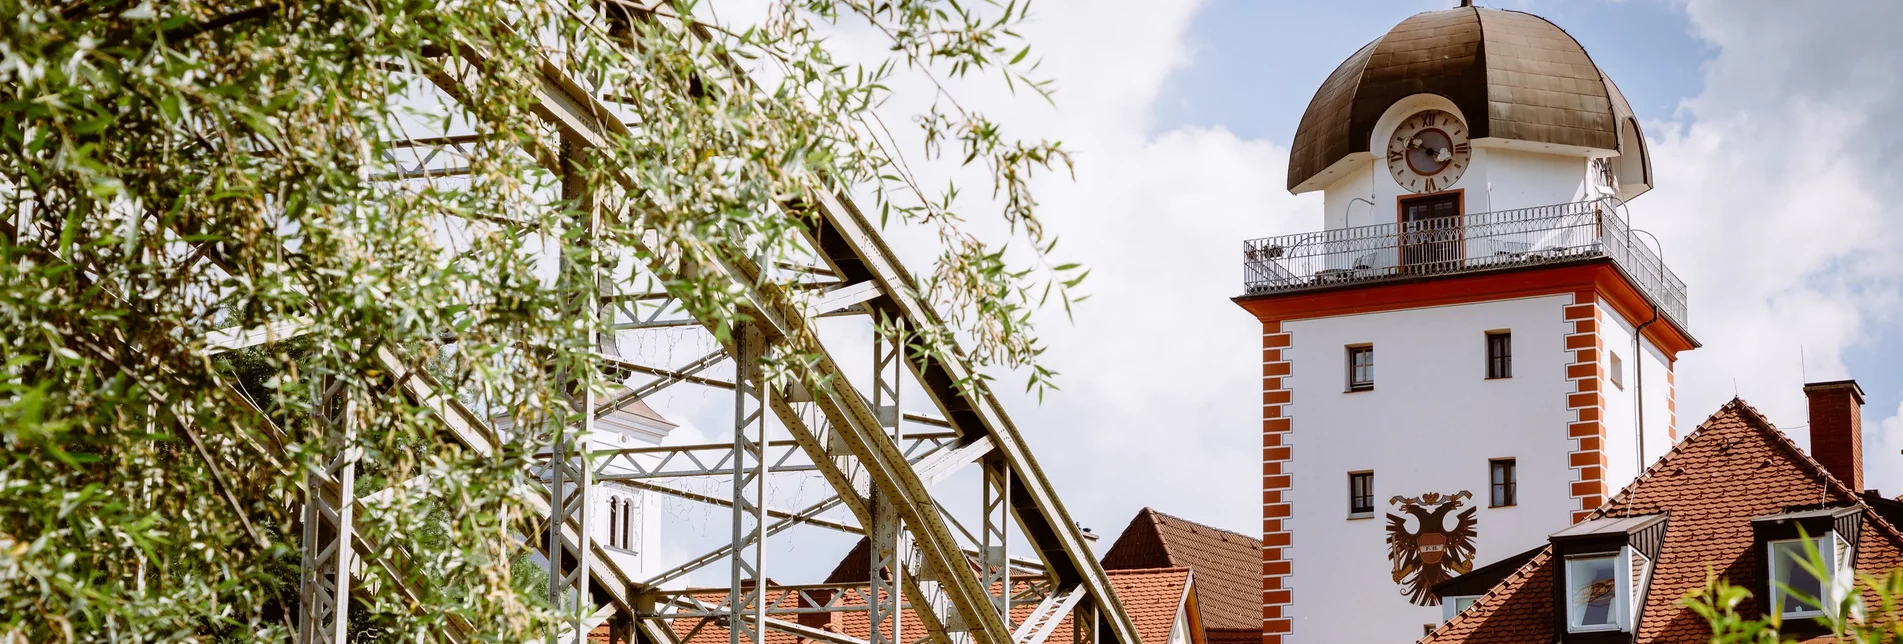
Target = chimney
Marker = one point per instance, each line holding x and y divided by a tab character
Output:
821	621
1836	429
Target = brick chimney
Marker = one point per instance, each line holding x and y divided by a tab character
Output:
1836	429
821	621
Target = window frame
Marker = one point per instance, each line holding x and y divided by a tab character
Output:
1615	369
1364	384
1622	592
614	521
1511	486
1500	364
1826	550
627	523
1361	511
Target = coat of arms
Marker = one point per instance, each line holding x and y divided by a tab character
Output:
1432	552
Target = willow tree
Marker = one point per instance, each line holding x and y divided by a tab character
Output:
174	171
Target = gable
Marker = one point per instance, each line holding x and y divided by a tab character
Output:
1228	565
1733	468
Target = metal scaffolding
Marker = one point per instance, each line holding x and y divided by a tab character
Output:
882	464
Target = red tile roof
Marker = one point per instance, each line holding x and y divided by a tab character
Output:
1228	566
1151	597
1733	468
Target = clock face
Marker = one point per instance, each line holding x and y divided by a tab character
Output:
1429	151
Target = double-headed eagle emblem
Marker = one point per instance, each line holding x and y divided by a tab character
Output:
1432	553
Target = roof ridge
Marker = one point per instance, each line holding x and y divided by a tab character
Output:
1199	524
1622	497
1805	460
1519	574
1756	420
1147	571
1737	406
1156	527
1753	419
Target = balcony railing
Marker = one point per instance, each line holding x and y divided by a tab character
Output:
1466	244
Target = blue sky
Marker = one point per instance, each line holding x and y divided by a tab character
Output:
1252	75
1768	124
1247	65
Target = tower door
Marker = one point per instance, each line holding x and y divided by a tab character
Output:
1431	233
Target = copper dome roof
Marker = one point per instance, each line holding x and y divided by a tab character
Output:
1513	75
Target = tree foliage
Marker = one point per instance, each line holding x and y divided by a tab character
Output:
173	170
1868	611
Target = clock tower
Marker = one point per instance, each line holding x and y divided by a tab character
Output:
1476	346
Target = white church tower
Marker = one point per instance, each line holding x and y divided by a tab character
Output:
1476	348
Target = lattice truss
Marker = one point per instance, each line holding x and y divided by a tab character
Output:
960	579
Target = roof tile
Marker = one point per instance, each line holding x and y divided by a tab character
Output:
1733	468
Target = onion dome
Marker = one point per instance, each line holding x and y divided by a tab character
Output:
1518	80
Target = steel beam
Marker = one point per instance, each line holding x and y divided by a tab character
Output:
853	248
330	495
716	459
570	475
807	514
748	581
800	516
887	534
994	539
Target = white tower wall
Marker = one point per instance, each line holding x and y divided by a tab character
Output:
1431	424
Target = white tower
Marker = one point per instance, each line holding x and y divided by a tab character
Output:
626	518
1476	348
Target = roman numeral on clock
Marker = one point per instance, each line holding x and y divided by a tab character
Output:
1462	147
1430	185
1394	157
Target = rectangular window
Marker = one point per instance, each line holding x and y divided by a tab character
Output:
1361	367
1360	494
1499	355
1461	603
1795	590
1595	593
1615	370
1504	477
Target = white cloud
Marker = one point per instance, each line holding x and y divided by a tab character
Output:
1770	204
1159	374
1773	204
1158	370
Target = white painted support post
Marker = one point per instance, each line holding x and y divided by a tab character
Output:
747	605
329	489
995	541
570	472
887	535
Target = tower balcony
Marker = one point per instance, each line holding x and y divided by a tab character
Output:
1466	244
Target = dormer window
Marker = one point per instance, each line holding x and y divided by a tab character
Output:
1797	591
1790	586
1597	593
1605	572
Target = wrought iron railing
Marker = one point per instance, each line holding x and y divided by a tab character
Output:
1465	244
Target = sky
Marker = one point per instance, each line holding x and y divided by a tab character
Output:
1766	121
1775	152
